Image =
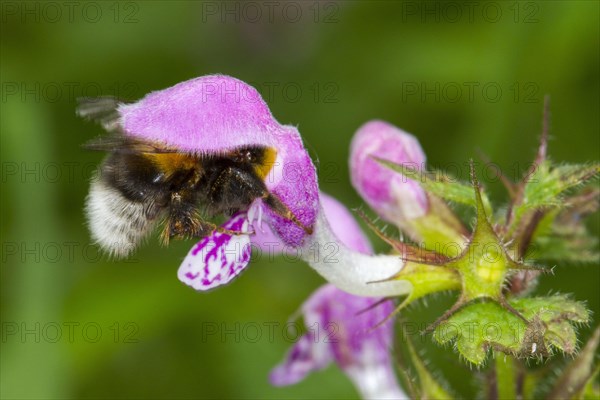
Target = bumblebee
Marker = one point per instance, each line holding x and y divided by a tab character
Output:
142	184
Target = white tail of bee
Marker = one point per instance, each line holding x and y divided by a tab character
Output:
117	224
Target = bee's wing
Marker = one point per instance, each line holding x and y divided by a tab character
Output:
102	110
119	143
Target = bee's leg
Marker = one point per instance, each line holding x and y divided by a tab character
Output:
184	221
229	231
191	226
277	205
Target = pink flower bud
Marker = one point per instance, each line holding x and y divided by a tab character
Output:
394	197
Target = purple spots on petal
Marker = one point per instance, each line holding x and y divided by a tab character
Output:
190	275
219	258
199	246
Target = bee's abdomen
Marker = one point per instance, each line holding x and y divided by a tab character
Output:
135	176
117	224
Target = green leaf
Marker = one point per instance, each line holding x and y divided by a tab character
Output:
429	387
570	249
546	185
425	386
577	378
563	236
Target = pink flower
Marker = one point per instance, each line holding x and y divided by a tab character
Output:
394	197
213	114
342	329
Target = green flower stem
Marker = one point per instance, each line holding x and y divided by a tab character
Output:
506	374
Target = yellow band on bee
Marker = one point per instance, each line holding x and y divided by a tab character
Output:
171	162
266	165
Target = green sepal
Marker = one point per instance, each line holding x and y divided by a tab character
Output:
438	183
545	186
480	326
426	279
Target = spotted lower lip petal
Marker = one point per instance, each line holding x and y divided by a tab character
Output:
219	258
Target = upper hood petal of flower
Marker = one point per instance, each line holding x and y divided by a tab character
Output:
203	115
217	113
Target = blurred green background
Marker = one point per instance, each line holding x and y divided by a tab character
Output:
460	76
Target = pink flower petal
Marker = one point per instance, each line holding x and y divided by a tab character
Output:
217	259
393	196
342	328
305	356
205	115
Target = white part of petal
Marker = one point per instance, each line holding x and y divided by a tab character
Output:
260	215
251	211
255	213
410	204
351	271
374	379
